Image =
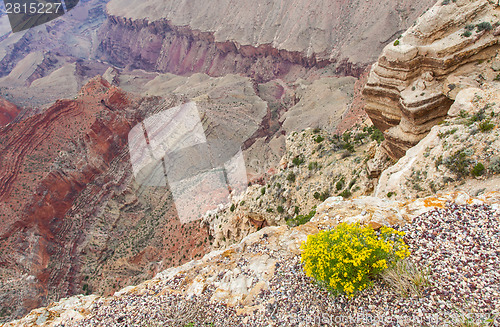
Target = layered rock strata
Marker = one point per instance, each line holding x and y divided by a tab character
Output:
414	82
263	39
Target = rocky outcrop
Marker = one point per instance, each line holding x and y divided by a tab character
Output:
261	279
416	79
463	153
8	112
263	40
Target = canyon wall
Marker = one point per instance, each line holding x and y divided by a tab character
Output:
263	39
414	82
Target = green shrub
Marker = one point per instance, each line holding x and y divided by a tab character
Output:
269	210
312	165
291	177
459	163
340	184
478	169
345	194
280	209
232	207
319	139
349	147
486	126
469	27
390	194
348	258
316	195
377	135
263	191
302	219
298	160
497	78
484	26
396	43
467	34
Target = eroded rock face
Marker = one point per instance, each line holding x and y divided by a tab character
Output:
416	79
73	219
8	112
263	39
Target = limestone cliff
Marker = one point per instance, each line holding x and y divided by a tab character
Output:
416	79
261	39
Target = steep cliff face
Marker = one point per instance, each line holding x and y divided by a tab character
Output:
415	81
263	39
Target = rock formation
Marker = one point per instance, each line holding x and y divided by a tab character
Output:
416	79
263	39
8	112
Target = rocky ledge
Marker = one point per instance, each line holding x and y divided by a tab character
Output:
452	46
260	282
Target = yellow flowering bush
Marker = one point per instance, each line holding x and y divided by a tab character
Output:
346	259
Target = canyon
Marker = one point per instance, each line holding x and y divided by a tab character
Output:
282	79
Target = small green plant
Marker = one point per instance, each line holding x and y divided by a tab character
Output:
348	258
390	194
319	139
396	43
478	169
349	147
313	165
280	209
345	193
291	177
340	184
298	160
497	78
466	33
263	191
470	27
459	163
484	26
486	126
301	219
232	207
377	135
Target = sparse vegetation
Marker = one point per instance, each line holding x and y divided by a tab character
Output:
484	26
406	278
486	126
298	160
478	169
459	163
301	219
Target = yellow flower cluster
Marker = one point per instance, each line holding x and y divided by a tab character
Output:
345	259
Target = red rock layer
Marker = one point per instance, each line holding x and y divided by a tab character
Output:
8	112
164	47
